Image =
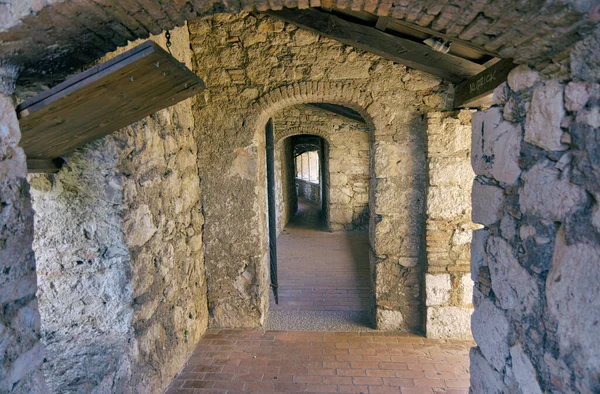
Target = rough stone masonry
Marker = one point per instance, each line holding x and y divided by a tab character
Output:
536	263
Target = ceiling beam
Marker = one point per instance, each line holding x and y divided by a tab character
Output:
370	39
468	93
340	110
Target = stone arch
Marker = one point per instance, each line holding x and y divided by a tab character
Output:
300	130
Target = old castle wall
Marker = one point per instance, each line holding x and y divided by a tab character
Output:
347	159
118	242
536	262
256	66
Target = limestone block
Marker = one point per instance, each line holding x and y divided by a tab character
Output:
500	95
548	195
141	227
466	284
522	77
437	289
448	136
495	146
490	329
487	203
572	294
542	125
585	58
523	371
484	379
448	202
577	94
408	262
388	320
304	37
589	116
514	287
357	69
450	171
448	322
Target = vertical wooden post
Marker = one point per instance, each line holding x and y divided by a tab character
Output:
272	214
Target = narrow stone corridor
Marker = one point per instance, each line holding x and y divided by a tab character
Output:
245	361
323	276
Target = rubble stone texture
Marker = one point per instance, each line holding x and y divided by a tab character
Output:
449	227
21	352
347	179
243	57
119	250
535	264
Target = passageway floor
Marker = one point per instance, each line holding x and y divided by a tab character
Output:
279	320
253	361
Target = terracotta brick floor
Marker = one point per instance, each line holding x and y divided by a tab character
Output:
245	361
319	270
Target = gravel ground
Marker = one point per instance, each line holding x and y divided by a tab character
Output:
319	321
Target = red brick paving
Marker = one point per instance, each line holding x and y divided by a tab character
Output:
245	361
319	270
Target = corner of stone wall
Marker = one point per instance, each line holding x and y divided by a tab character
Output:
535	264
448	286
21	351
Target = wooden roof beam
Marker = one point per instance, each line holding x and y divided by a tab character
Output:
369	39
476	91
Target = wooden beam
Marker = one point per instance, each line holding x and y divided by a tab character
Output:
369	39
47	166
471	90
104	99
340	110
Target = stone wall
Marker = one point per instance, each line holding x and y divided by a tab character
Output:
536	262
309	190
120	257
347	160
256	66
21	352
285	183
449	288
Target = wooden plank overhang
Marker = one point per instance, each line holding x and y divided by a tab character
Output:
101	100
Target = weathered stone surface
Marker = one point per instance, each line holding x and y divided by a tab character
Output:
437	288
120	255
585	58
444	322
500	95
490	329
448	171
498	157
523	370
522	77
535	198
478	251
20	349
466	284
447	202
487	202
389	320
512	284
483	377
542	126
577	95
572	292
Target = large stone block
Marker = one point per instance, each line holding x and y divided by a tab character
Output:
437	288
388	320
495	146
524	372
450	171
542	125
484	379
478	251
449	322
490	329
513	286
466	284
522	77
487	203
547	194
448	202
572	294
